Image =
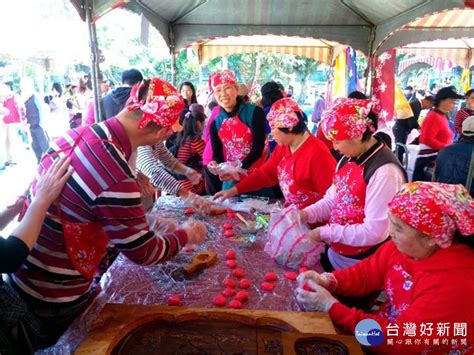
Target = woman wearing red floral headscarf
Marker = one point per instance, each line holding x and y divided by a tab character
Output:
366	178
238	131
301	164
426	270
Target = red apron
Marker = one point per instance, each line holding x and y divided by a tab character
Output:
236	139
293	193
350	202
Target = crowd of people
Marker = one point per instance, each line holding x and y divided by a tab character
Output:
411	239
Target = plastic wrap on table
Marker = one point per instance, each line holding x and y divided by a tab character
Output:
288	243
232	168
128	283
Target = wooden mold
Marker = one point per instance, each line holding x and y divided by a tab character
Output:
137	329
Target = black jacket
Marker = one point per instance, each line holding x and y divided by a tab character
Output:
114	102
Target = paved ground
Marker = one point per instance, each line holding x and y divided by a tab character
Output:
15	179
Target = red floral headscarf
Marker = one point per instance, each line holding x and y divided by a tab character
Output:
435	209
282	113
346	119
219	78
163	104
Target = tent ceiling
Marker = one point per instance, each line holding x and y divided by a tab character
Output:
316	49
459	51
442	25
184	22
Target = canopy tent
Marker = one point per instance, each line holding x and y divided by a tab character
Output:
452	31
361	24
317	49
459	51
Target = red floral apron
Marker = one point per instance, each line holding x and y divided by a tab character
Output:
294	194
350	203
236	139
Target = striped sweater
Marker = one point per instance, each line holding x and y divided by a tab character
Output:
102	188
459	119
151	161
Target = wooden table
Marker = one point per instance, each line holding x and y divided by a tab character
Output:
128	284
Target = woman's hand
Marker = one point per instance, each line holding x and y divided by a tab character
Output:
51	183
196	231
225	194
193	176
326	279
303	216
212	167
314	235
318	299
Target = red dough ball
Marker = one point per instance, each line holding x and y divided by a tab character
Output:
227	226
188	249
235	304
303	269
229	233
230	213
219	301
231	263
238	272
230	254
270	276
267	286
229	283
306	287
244	283
174	300
290	275
229	292
189	211
242	296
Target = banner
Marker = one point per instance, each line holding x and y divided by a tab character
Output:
339	88
351	70
384	86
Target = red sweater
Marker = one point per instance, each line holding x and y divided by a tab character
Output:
436	289
435	131
313	169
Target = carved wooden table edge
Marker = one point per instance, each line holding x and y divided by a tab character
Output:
117	320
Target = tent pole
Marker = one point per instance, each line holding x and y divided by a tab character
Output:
369	72
94	59
173	66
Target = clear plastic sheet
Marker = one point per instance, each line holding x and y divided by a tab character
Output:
127	283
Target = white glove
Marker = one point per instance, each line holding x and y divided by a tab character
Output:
196	231
317	300
160	225
326	279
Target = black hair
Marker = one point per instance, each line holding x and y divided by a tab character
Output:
300	126
385	138
131	77
211	105
142	92
271	92
193	98
463	239
469	92
408	87
269	98
357	95
432	86
190	127
58	88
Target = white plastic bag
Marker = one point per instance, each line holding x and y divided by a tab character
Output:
232	168
288	243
